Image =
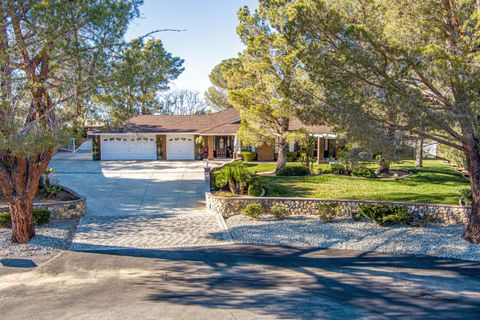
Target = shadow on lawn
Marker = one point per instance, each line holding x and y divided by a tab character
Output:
293	283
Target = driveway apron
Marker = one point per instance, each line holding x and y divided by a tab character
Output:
134	204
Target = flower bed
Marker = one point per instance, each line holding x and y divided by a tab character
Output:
61	210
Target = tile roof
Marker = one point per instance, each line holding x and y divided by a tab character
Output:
223	122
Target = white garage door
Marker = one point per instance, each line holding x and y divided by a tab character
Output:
180	147
129	148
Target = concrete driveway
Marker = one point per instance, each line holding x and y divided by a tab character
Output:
140	204
123	188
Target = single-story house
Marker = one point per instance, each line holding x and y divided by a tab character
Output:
173	137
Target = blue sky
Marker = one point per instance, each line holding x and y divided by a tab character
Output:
210	34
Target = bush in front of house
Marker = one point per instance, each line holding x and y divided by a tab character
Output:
292	156
328	211
364	172
294	171
249	156
5	219
252	211
384	214
41	216
255	188
338	169
279	212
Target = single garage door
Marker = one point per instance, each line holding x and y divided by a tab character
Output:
129	148
180	147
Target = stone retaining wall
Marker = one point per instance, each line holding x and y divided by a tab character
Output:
61	210
228	207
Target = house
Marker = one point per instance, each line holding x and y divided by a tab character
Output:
173	137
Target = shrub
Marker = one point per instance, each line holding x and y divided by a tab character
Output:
362	171
327	211
337	168
255	188
51	191
279	212
466	196
41	216
236	176
384	215
249	156
252	211
292	156
5	219
294	171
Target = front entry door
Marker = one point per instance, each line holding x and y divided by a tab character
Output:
221	146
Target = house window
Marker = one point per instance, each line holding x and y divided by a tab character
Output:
325	145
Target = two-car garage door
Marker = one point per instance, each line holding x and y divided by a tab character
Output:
143	147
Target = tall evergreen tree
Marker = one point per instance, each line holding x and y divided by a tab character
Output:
43	47
408	65
132	84
261	82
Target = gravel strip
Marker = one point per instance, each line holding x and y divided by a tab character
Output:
50	238
307	231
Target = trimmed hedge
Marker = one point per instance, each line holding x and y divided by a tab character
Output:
249	156
294	171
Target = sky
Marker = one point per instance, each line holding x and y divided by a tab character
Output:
209	38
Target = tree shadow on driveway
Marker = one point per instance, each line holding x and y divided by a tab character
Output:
285	282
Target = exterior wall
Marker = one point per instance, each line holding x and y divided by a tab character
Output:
162	147
96	148
61	210
210	142
228	207
266	152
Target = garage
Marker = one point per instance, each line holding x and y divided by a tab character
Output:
128	147
180	147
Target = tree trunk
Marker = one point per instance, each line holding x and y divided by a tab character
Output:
419	153
282	154
19	180
22	220
472	231
383	166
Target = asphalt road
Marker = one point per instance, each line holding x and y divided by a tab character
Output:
239	282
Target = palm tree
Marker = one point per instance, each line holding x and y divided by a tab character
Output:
235	175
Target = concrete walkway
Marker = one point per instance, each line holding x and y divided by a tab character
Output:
134	204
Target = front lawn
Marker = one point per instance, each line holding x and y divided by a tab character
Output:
437	182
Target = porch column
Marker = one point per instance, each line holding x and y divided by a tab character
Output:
319	150
210	147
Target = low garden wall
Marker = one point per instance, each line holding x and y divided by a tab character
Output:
230	206
61	210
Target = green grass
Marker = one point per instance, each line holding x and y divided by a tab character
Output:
437	182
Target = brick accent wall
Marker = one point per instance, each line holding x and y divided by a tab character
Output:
162	147
266	152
